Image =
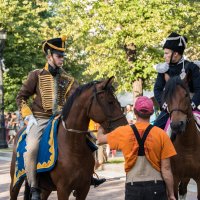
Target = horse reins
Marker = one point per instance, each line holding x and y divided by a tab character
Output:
74	130
108	120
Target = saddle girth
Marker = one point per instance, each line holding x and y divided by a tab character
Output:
140	140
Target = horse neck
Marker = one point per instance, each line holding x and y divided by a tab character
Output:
78	120
191	134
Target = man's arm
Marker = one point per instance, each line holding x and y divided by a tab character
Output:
196	86
27	90
158	88
168	177
101	138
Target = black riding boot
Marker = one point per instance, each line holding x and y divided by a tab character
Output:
96	182
35	194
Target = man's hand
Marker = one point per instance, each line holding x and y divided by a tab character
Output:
171	198
31	120
101	138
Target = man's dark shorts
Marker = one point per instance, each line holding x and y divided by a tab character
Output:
147	190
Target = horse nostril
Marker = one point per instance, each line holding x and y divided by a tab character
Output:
176	125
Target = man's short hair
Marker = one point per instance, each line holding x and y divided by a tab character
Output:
142	115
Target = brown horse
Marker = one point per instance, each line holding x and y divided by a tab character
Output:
186	138
75	164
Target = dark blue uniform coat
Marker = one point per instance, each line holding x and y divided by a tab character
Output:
174	70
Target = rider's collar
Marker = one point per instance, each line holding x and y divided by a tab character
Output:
164	67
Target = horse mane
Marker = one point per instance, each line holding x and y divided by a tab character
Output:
170	88
78	91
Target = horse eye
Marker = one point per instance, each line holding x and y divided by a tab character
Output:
111	102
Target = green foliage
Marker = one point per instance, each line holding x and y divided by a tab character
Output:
98	31
103	28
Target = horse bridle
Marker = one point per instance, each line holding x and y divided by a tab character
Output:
107	121
178	110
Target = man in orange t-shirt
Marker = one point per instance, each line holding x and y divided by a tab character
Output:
147	150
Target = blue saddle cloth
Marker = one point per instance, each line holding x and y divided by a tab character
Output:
48	150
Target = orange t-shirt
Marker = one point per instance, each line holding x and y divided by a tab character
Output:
157	146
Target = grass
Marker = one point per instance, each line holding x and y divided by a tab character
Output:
6	150
115	161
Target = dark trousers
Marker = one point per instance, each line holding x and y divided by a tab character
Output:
161	119
146	190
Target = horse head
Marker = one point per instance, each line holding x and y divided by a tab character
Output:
177	97
95	100
104	107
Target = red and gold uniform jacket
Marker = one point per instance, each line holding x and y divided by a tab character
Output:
49	93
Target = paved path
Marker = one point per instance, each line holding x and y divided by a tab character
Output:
112	189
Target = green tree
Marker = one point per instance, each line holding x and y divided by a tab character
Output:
26	23
103	28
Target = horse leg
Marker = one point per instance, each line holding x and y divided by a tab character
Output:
82	193
45	194
183	188
14	191
26	191
63	193
176	182
198	188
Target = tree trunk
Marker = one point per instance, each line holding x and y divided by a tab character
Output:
137	89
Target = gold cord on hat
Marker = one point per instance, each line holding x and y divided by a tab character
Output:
54	47
63	38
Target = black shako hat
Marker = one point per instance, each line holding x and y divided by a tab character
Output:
176	43
54	45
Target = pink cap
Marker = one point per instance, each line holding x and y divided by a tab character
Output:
144	105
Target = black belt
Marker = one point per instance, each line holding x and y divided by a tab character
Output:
142	183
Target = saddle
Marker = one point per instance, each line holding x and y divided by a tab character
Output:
48	149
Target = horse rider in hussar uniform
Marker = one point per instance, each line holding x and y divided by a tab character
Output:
50	87
175	65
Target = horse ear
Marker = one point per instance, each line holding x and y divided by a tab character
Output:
108	82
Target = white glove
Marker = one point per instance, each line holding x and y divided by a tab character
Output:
31	120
